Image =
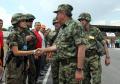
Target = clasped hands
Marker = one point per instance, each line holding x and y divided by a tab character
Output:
38	52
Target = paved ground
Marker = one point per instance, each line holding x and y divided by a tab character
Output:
110	74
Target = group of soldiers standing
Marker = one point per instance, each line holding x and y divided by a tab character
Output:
74	48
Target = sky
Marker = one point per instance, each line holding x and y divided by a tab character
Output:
103	12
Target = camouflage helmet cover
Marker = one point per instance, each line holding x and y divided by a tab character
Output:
64	7
17	17
29	16
85	16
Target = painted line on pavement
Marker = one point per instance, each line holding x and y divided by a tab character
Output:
47	75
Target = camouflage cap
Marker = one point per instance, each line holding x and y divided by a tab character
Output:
55	20
64	7
29	16
85	16
17	17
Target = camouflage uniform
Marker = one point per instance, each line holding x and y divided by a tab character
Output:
68	38
16	65
92	67
52	35
31	45
70	35
54	63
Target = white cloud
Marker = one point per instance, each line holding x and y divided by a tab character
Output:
6	17
116	10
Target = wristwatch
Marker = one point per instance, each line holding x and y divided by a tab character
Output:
79	69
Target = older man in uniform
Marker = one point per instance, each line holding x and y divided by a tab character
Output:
51	36
69	47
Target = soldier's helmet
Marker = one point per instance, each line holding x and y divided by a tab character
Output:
85	16
17	17
30	16
55	20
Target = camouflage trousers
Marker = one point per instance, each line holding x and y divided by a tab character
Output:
67	70
55	71
14	74
31	71
92	70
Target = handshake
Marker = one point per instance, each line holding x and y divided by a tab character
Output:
38	52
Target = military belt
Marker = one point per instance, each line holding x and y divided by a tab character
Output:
90	52
68	61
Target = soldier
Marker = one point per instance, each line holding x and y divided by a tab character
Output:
17	43
31	43
69	46
10	28
52	35
92	67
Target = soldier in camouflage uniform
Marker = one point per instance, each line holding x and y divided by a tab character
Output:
52	35
15	62
31	45
69	46
92	67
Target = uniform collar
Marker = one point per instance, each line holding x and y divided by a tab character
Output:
67	23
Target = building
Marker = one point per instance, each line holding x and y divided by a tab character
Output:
111	33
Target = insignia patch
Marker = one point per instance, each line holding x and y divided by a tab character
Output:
91	37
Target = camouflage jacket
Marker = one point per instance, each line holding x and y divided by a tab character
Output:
32	43
16	38
93	36
69	37
52	35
